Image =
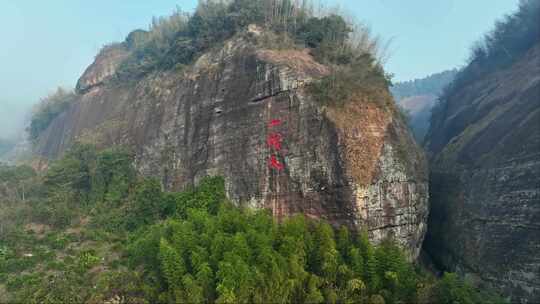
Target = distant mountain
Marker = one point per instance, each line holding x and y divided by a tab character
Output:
430	85
417	97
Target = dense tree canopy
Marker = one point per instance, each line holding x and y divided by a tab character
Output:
139	244
237	256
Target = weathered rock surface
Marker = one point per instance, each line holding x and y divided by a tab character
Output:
485	145
104	67
356	166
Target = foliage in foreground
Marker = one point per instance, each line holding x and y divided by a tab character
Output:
111	236
237	256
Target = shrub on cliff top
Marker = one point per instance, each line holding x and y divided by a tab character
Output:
178	39
362	76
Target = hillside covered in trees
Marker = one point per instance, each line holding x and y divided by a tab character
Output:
91	230
176	41
48	109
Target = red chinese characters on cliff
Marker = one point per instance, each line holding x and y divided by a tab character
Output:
274	123
274	141
275	164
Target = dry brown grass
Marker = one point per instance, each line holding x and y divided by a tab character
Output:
298	60
362	129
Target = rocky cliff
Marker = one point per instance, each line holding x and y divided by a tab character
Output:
485	181
244	112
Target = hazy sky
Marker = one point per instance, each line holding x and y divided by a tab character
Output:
50	43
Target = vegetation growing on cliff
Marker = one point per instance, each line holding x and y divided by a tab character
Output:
90	230
177	40
362	77
510	38
48	109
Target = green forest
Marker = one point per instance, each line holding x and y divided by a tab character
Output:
90	230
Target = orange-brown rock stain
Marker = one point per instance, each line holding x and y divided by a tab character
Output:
362	126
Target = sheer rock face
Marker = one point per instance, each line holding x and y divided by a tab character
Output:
245	114
485	217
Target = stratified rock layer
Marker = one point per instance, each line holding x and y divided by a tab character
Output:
485	180
234	110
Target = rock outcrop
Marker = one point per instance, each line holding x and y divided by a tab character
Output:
244	113
104	67
485	180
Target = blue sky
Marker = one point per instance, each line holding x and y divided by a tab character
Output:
49	43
